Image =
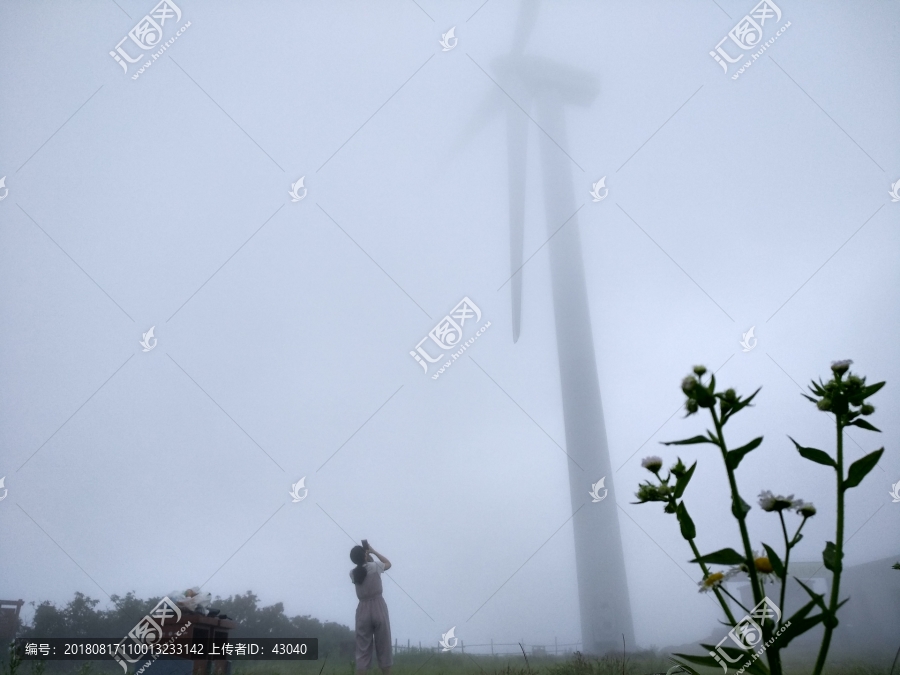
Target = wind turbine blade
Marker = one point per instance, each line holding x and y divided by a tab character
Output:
517	147
489	107
509	68
517	152
495	100
525	22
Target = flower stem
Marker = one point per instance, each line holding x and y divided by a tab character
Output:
773	655
736	500
838	553
722	602
787	558
737	602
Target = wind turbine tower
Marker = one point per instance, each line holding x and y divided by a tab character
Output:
547	88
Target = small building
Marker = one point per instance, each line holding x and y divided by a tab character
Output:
203	630
9	619
868	623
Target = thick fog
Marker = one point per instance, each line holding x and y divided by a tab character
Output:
285	315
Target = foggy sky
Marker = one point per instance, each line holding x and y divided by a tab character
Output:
284	328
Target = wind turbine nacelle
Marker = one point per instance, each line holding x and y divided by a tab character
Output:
539	76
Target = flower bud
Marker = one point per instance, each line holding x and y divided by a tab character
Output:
705	399
807	510
650	493
841	367
824	404
688	384
700	370
691	405
867	409
652	463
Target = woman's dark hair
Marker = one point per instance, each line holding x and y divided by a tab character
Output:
358	556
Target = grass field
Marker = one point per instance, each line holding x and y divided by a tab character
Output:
427	663
641	663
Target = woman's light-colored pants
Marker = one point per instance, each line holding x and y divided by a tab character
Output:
373	633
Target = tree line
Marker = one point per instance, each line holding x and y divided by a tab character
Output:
81	618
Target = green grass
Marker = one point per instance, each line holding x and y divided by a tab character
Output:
456	663
640	663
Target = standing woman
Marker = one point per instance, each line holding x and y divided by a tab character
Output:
373	625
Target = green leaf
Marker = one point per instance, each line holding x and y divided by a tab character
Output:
814	454
743	403
688	531
862	424
817	598
817	389
803	611
680	668
802	623
734	457
682	481
871	389
798	627
809	398
739	508
777	565
690	441
829	557
699	660
725	556
861	467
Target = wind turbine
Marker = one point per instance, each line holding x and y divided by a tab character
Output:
547	88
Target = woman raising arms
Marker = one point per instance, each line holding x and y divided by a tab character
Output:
373	625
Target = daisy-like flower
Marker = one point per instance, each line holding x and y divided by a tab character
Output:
807	510
770	502
716	579
763	567
652	463
841	367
